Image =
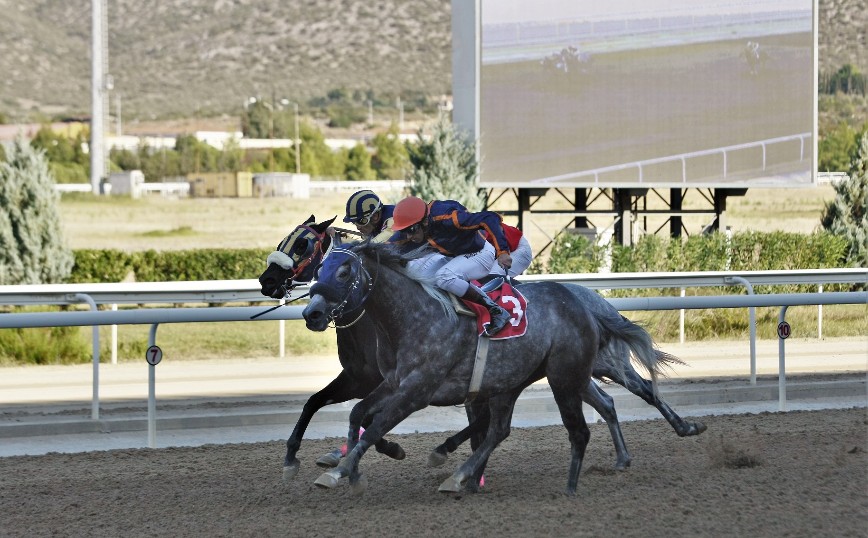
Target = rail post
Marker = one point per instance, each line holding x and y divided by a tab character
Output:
94	404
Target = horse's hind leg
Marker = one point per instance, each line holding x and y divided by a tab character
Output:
642	388
477	418
570	405
605	406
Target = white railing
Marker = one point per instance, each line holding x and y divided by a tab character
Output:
684	158
248	291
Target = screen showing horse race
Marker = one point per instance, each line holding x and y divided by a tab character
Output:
644	93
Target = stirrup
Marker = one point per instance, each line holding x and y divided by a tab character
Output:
492	283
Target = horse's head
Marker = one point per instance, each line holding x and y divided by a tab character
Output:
341	288
295	258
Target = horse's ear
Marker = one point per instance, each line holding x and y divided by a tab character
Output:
309	220
323	226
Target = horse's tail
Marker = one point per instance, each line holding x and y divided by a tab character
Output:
619	335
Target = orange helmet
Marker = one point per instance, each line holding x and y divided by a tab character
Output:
408	212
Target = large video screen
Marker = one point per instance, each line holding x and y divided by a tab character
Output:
645	93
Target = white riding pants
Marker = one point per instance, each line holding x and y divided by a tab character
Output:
522	256
452	274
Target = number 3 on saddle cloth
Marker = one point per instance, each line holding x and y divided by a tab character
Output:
513	301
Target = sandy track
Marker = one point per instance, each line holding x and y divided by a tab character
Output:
770	474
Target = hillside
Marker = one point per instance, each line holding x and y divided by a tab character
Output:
175	57
184	58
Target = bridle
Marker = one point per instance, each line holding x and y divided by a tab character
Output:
362	278
312	252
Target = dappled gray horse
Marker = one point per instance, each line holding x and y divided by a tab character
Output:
428	354
302	250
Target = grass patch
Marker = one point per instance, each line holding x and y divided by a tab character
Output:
227	340
734	323
175	232
48	345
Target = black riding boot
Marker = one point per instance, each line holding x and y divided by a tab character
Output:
499	316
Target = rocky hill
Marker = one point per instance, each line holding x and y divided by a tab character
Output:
176	58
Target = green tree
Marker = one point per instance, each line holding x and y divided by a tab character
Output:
847	214
836	149
256	120
358	165
32	250
445	167
67	159
390	159
317	159
157	164
126	159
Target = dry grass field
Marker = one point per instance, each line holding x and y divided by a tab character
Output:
167	224
160	223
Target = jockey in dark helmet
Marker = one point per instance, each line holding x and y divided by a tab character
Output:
370	216
461	252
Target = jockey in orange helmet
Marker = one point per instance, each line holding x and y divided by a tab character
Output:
462	252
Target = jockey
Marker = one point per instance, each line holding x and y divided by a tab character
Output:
371	217
462	253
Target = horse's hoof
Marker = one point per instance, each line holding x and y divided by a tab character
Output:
327	481
450	485
693	428
622	465
330	460
436	459
289	471
360	486
399	454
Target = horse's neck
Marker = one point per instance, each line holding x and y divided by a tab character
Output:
395	296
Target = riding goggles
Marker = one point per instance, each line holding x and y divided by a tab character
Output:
364	220
410	230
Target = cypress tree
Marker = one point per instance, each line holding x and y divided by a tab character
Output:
445	167
32	250
847	214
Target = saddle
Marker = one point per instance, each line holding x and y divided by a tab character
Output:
488	285
501	291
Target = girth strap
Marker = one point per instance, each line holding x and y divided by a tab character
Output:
478	368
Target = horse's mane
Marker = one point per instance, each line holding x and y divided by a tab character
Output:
395	257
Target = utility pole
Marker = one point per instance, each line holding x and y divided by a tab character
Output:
119	130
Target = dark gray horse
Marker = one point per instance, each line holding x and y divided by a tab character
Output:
427	354
293	262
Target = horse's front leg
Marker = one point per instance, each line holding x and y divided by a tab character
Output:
362	411
388	410
341	389
500	409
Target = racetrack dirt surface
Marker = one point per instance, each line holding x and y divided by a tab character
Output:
801	473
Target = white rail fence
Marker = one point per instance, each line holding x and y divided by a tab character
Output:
209	292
